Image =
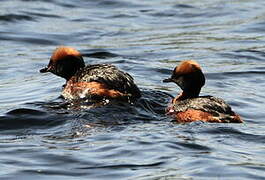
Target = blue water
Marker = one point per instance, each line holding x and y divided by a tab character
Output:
44	138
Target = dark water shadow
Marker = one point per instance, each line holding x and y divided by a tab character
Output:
45	115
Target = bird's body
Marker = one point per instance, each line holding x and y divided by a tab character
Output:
189	106
98	81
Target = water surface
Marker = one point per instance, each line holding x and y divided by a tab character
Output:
44	137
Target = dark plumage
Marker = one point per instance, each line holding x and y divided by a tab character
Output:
189	106
217	107
109	75
98	81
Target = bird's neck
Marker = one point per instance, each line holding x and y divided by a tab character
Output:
187	95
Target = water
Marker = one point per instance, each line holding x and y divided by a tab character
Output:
43	137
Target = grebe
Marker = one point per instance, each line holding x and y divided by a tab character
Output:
189	106
97	81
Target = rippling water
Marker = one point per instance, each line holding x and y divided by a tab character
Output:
43	137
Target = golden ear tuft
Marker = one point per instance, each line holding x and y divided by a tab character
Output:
187	66
63	51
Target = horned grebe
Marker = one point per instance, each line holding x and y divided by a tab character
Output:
189	106
96	81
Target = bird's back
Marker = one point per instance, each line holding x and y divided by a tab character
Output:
205	108
110	76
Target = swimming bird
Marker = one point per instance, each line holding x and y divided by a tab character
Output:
96	81
188	106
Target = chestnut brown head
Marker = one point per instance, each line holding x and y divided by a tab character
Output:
188	76
64	62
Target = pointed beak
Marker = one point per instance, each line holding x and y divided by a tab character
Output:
44	70
168	80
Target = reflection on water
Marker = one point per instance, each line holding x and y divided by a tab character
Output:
43	136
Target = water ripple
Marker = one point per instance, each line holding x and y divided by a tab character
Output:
16	17
43	136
